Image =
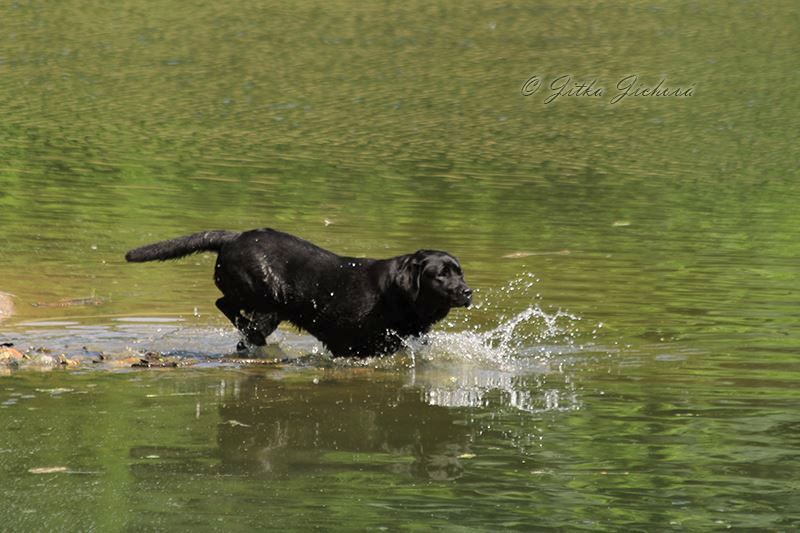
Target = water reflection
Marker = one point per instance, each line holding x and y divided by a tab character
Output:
483	388
383	416
375	421
420	423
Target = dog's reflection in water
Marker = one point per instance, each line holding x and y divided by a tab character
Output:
283	429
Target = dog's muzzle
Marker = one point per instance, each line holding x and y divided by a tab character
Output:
463	298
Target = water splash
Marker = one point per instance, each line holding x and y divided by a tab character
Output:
498	356
512	340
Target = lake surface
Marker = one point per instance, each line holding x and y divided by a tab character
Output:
632	358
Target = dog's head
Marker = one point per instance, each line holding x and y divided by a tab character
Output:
434	278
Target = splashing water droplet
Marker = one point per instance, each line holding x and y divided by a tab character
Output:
526	337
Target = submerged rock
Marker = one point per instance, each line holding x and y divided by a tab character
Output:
45	359
48	470
6	305
72	302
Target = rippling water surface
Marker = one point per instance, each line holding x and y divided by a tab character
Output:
631	360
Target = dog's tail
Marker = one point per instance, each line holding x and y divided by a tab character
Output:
205	241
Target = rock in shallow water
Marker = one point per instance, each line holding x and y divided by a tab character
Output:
10	355
6	305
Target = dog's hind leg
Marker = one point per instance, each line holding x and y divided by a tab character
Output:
254	325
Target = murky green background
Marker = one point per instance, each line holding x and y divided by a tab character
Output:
665	396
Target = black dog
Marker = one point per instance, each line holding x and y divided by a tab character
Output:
356	307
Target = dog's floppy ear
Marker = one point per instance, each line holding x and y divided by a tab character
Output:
408	274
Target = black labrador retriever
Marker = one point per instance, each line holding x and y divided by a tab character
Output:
355	306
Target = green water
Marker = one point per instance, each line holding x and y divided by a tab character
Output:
631	362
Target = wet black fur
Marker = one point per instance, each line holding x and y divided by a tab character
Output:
355	306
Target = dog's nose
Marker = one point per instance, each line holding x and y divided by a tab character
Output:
467	291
